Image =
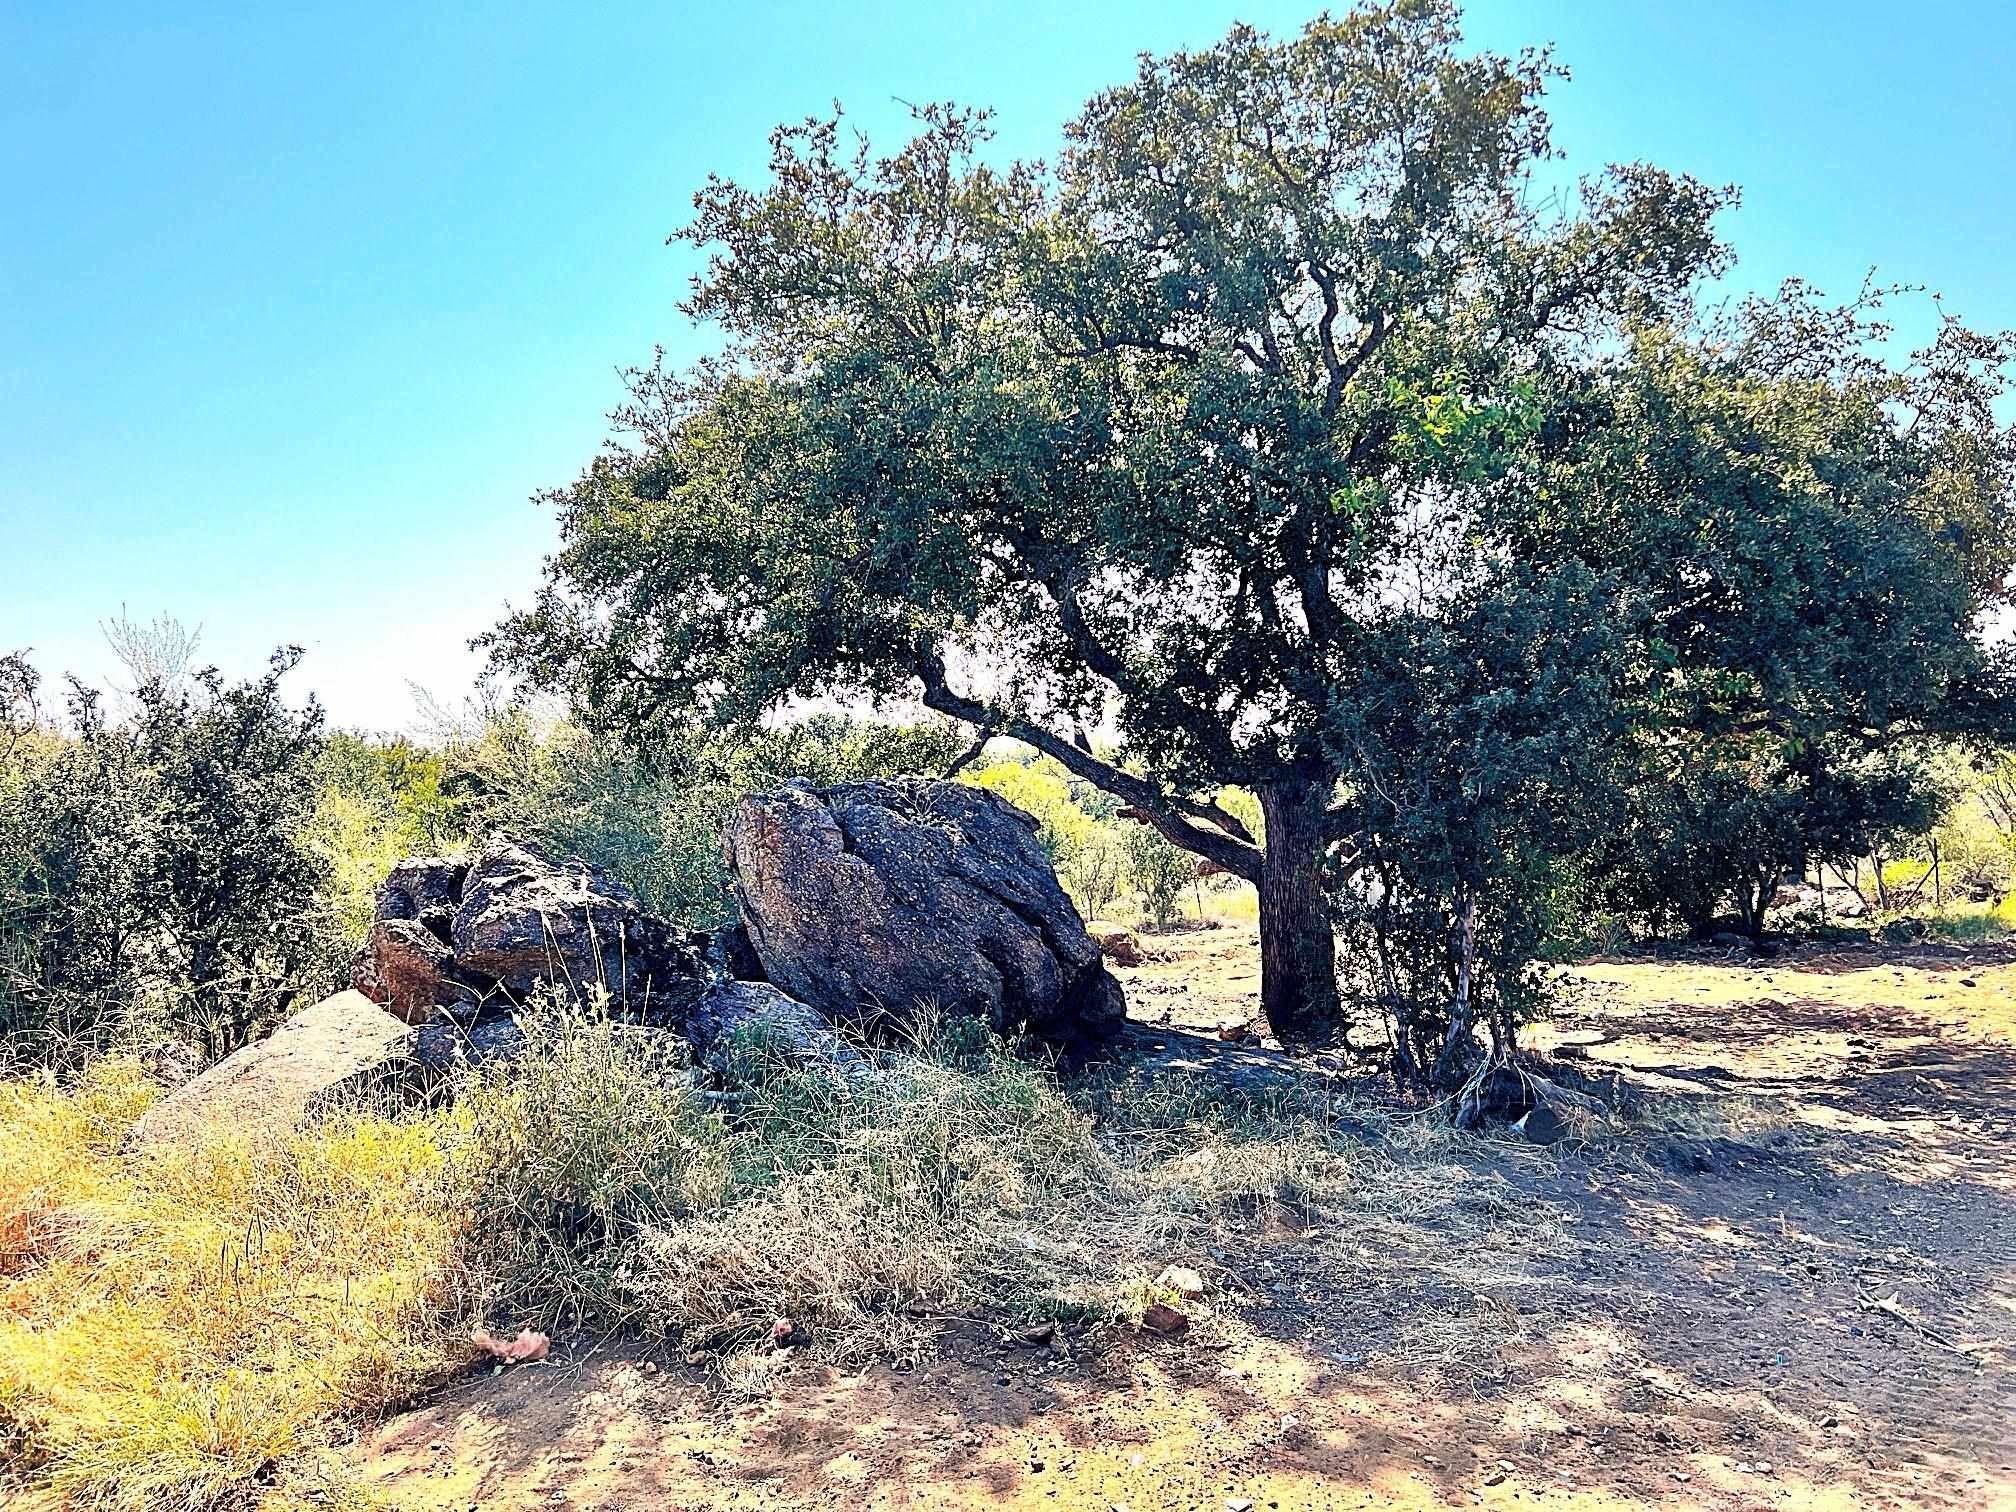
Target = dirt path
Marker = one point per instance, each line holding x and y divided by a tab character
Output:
1692	1321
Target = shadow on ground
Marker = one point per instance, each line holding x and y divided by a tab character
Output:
1623	1335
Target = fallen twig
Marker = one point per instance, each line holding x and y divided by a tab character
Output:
1890	1307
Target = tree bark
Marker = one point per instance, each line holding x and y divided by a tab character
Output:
1298	945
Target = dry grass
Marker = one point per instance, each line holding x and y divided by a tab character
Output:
183	1328
187	1329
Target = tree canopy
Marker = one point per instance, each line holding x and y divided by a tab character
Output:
1248	429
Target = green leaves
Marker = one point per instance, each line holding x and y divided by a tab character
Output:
1269	392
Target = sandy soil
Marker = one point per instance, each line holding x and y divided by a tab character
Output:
1691	1321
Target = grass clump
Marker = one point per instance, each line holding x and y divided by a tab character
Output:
613	1193
182	1327
189	1327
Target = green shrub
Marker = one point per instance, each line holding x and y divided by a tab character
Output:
157	873
1159	871
653	819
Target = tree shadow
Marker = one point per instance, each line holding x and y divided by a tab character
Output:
1582	1324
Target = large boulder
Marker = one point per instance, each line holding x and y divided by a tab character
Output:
475	937
881	901
341	1047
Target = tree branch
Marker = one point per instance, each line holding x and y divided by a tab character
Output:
1162	810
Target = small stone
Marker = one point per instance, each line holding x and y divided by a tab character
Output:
1541	1125
1238	1504
1233	1030
1183	1281
1163	1319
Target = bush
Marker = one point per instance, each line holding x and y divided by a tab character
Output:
1159	871
376	803
653	819
158	876
1095	872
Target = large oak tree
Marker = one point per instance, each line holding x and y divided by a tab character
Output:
1157	438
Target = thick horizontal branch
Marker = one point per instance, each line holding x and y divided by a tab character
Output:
1162	810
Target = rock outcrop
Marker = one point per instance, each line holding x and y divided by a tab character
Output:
343	1046
475	937
882	901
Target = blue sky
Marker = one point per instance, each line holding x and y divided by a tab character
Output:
299	304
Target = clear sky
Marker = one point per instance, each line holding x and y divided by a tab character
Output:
300	303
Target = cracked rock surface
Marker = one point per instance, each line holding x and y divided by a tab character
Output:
881	902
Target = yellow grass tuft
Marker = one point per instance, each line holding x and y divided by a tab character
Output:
182	1327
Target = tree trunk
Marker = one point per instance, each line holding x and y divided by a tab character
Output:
1298	946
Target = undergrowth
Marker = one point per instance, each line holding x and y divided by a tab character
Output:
180	1327
191	1327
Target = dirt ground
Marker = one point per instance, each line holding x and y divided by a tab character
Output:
1802	1294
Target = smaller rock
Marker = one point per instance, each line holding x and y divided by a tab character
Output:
1116	942
425	889
339	1048
445	1044
1541	1125
1183	1281
740	1018
1234	1031
407	971
1161	1318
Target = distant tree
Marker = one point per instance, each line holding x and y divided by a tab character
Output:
1151	433
1160	872
1811	540
19	713
160	652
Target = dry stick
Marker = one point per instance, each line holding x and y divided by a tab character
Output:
1889	1307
